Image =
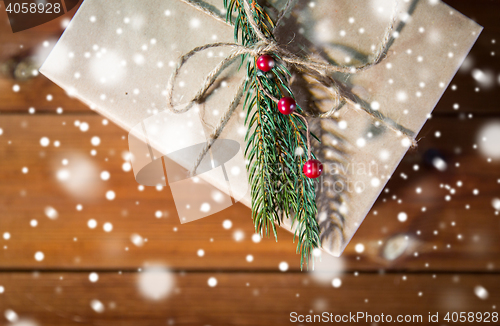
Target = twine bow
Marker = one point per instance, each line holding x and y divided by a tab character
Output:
319	69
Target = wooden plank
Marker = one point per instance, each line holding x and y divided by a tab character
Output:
39	94
467	239
240	299
33	93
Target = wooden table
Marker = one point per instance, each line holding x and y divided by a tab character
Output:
139	266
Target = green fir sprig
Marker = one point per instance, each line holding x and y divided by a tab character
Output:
276	143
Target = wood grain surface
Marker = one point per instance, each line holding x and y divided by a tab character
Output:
442	255
241	298
462	243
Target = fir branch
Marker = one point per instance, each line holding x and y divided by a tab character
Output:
276	143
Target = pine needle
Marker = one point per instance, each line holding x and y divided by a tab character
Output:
278	186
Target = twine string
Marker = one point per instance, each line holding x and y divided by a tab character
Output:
251	20
220	127
318	69
288	6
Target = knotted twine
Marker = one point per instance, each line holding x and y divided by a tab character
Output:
318	69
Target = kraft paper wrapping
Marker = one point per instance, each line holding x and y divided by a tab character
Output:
117	57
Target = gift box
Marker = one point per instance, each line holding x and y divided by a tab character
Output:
117	57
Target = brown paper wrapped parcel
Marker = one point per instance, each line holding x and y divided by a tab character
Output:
117	57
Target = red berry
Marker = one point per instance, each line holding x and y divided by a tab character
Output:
313	169
265	63
287	105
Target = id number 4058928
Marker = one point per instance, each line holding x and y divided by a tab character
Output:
33	8
478	317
